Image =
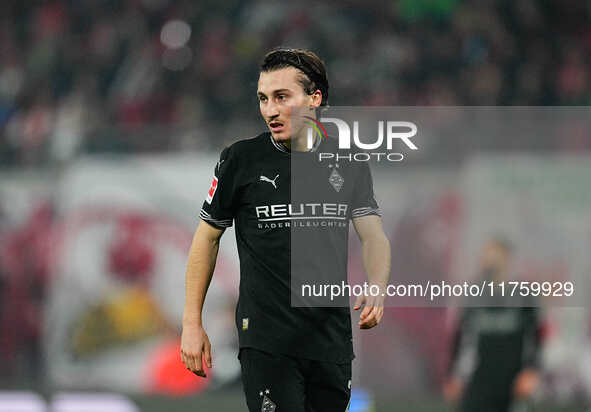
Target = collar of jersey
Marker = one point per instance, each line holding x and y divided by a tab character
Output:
282	148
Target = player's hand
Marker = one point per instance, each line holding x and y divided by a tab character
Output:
195	349
526	383
373	311
452	390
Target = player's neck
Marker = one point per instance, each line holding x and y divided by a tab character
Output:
299	144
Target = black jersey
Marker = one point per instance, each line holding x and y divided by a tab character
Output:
492	345
254	187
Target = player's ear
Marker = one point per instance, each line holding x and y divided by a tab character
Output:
316	99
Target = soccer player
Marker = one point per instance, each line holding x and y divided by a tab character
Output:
293	359
495	349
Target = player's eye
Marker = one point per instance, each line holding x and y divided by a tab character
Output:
282	97
262	98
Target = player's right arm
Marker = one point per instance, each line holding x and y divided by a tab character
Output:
216	215
195	346
453	385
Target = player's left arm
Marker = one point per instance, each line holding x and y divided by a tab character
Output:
376	261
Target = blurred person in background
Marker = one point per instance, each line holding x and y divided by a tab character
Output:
24	279
294	359
495	350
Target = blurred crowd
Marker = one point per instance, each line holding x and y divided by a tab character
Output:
143	75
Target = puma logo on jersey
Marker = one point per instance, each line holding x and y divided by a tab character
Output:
266	179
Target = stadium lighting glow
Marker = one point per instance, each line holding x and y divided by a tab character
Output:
175	34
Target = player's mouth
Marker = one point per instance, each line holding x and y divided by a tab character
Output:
276	126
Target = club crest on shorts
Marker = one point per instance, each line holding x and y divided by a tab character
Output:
268	405
335	178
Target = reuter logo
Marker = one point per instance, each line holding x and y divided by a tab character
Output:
302	215
388	131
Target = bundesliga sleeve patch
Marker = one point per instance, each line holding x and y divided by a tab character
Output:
212	189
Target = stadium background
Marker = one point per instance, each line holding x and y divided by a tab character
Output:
112	114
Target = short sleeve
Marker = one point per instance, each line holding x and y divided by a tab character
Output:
218	207
364	202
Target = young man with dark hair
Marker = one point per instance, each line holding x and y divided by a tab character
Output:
293	359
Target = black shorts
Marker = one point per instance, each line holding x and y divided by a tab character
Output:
280	383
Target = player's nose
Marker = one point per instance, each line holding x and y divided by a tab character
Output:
270	111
